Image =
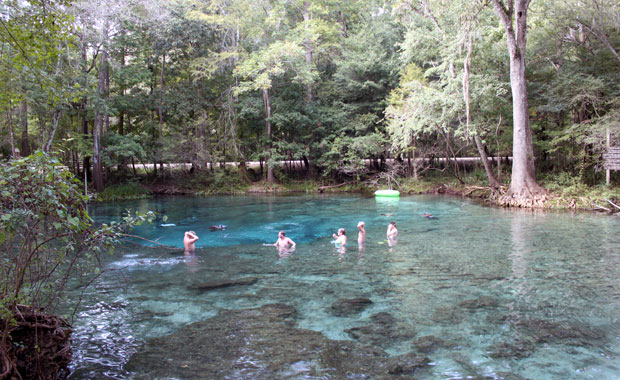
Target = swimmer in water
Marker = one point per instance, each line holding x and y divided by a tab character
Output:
283	242
341	237
361	235
189	239
392	232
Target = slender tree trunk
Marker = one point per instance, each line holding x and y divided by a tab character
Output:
466	83
9	115
266	101
308	47
85	132
524	190
98	127
25	145
56	120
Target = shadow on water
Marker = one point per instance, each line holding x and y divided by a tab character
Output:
476	293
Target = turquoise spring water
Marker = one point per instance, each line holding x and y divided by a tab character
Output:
473	276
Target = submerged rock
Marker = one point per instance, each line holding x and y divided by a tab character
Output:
223	284
479	303
262	343
383	332
517	350
430	343
447	316
406	364
350	306
546	331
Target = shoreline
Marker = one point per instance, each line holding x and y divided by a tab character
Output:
482	194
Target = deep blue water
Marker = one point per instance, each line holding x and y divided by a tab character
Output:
559	268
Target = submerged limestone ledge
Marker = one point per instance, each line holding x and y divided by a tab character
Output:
263	343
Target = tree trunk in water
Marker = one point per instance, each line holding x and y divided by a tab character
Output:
25	145
524	190
267	103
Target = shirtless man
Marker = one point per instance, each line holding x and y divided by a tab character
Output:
188	241
283	242
341	238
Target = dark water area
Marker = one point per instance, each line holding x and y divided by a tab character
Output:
475	292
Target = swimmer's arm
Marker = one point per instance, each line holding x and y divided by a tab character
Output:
292	243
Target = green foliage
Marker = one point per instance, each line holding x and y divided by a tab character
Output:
46	234
219	181
124	191
120	149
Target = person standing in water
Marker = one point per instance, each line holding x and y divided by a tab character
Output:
341	237
392	232
361	235
283	242
189	239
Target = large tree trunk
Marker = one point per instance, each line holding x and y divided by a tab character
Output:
267	103
524	190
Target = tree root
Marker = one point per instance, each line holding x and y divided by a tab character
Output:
38	346
524	199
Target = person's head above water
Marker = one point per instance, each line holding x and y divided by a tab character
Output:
282	234
342	230
360	224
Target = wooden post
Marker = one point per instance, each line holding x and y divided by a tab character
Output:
608	172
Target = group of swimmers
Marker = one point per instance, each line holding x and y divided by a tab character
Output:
285	243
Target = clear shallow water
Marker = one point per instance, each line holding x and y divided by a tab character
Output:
486	281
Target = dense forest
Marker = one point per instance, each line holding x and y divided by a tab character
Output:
107	86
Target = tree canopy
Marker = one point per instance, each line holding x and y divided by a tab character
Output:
332	84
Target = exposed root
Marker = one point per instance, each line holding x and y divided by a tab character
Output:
523	199
38	346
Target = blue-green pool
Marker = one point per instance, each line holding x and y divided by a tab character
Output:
531	294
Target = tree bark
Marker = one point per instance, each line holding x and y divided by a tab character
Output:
524	190
266	101
466	85
25	145
308	48
9	115
98	127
